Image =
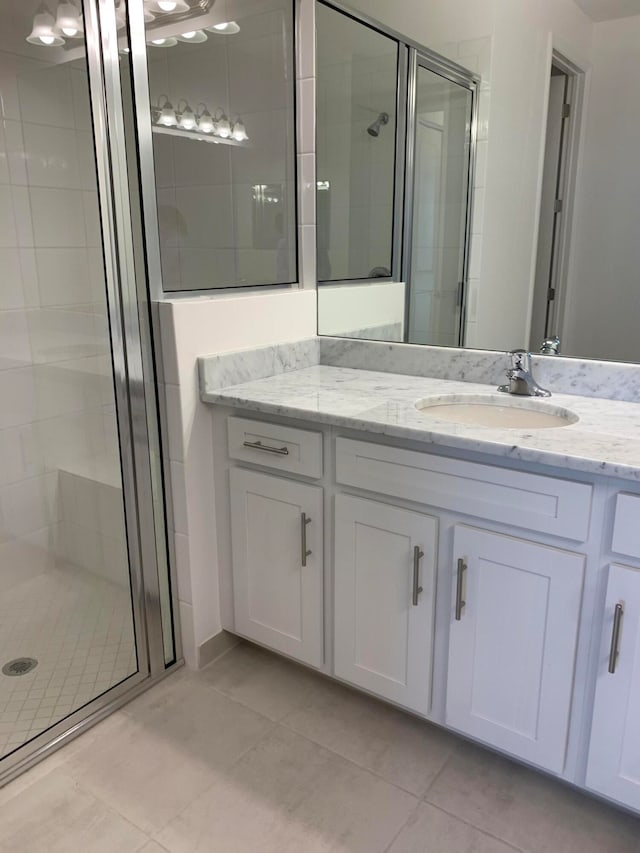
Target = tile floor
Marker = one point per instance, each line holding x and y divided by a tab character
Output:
257	754
79	628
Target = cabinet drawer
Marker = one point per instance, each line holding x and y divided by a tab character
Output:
626	526
275	446
531	501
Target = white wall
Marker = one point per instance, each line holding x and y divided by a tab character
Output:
345	309
191	328
605	284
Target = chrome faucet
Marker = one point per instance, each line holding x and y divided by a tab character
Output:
520	377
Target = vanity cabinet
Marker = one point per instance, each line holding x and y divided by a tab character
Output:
614	753
384	582
512	643
277	547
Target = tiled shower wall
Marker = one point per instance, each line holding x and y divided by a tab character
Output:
55	371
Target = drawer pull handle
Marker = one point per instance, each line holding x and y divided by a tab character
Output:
618	613
462	568
304	553
258	445
418	554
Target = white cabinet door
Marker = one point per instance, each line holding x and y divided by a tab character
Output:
383	621
277	563
614	753
512	643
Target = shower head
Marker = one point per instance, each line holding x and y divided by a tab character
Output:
374	128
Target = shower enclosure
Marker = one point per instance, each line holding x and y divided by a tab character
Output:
85	593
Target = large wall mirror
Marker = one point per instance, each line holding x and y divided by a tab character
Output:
477	175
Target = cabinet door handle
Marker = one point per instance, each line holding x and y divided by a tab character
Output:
462	568
304	553
618	613
258	445
418	554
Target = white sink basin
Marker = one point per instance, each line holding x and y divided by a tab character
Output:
496	410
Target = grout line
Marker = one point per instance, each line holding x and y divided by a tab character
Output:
473	826
418	805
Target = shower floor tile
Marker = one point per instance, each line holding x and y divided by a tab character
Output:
78	626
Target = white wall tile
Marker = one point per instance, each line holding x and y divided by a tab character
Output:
63	276
11	290
22	214
179	496
15	349
51	156
307	179
17	390
306	116
58	217
8	236
183	567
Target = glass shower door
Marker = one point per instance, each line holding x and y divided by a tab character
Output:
71	628
439	209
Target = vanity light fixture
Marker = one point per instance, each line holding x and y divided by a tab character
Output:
186	117
239	131
199	124
226	28
69	20
193	36
168	41
44	30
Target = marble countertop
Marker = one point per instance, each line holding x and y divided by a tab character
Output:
605	439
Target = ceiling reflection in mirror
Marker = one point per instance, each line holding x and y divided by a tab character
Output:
515	226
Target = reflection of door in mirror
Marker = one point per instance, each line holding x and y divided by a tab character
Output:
556	207
440	185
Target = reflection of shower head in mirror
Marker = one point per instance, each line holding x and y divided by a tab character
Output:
374	128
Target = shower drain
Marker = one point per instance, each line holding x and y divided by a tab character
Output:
19	666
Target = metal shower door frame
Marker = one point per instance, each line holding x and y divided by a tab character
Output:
135	397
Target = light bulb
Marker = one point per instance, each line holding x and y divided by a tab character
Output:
223	128
169	41
167	117
167	5
227	28
239	132
205	122
193	36
44	29
69	20
187	120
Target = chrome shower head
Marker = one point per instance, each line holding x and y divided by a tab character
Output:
374	128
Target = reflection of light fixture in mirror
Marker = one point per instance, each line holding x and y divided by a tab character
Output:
193	36
223	128
186	117
169	41
166	115
69	20
239	132
323	185
226	28
44	29
168	7
205	120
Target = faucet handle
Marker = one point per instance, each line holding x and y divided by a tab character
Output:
520	359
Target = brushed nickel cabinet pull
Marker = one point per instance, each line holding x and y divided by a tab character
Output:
303	538
418	554
618	613
462	568
258	445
